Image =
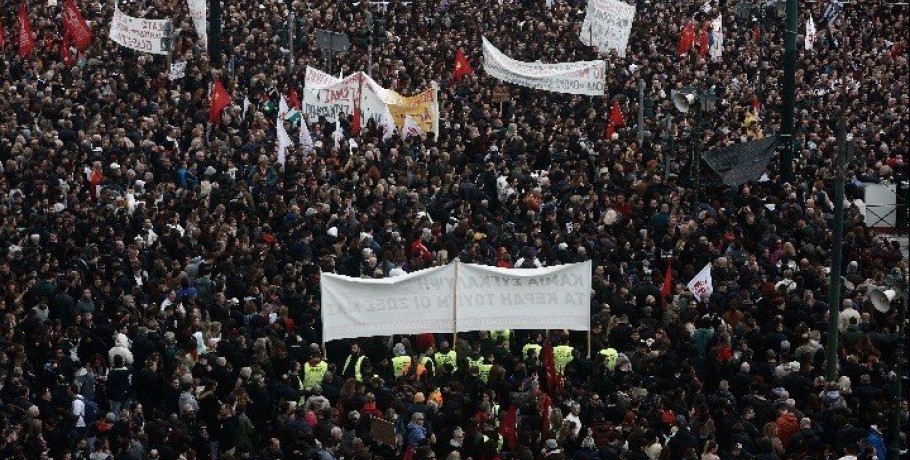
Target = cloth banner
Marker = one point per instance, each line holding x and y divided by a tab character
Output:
582	77
198	14
702	285
493	298
178	70
139	34
743	162
414	303
327	96
378	102
608	24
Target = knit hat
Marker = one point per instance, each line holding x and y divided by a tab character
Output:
399	350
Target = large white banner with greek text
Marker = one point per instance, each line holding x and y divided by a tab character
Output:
582	77
139	34
608	24
328	96
491	298
414	303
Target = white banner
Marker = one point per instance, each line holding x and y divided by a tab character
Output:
491	298
583	77
702	285
138	33
414	303
198	14
608	24
178	70
328	96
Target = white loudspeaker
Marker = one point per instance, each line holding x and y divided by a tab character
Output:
881	298
683	101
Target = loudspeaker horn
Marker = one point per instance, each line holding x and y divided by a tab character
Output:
683	101
881	298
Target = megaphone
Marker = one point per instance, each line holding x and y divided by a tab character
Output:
881	298
683	101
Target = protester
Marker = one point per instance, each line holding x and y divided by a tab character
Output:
160	272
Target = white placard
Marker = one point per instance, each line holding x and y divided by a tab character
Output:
608	23
178	70
582	77
702	285
491	298
198	14
138	33
414	303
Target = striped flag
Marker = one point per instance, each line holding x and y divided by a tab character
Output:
810	34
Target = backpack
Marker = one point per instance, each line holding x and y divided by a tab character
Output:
91	412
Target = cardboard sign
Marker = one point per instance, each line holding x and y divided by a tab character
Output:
382	431
501	94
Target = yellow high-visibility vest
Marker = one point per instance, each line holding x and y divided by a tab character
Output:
531	346
562	355
399	363
446	358
357	364
484	372
312	375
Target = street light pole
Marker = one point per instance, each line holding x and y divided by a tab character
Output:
215	37
837	250
789	90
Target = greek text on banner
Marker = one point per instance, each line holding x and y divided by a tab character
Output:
582	77
608	24
414	303
139	34
539	298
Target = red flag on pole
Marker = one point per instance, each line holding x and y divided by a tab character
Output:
545	405
667	288
617	120
26	37
704	43
65	55
509	427
462	66
2	35
75	25
219	99
686	39
550	365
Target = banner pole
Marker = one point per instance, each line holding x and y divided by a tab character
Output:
589	343
455	307
325	354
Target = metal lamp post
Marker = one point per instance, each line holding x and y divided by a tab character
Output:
704	102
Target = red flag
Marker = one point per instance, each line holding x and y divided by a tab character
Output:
703	43
293	98
76	26
509	427
65	55
219	99
756	33
355	122
686	39
462	66
2	36
756	104
26	37
667	288
617	120
545	405
550	365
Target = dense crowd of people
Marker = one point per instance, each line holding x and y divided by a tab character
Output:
160	273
